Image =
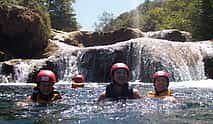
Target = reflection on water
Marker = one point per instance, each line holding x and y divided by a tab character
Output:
195	105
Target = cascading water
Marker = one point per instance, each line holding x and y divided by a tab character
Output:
66	66
183	61
144	56
22	71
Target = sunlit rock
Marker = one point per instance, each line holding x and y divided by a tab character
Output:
171	35
85	39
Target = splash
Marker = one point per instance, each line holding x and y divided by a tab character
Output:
193	84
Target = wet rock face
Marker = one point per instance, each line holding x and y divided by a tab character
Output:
208	64
7	69
95	64
48	65
22	32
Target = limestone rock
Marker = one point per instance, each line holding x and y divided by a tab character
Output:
171	35
84	38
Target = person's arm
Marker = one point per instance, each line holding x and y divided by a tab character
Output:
136	94
101	97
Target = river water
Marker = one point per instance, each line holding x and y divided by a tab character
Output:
194	106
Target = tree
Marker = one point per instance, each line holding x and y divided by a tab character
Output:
128	19
152	19
177	15
2	2
203	20
104	20
195	16
62	15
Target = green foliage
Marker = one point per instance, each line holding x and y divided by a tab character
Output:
56	13
127	19
105	20
62	15
195	16
177	15
203	20
152	19
7	2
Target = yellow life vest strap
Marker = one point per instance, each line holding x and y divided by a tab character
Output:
53	98
152	94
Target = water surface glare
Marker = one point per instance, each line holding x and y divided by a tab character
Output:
195	105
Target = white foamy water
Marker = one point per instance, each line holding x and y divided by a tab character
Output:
185	84
198	84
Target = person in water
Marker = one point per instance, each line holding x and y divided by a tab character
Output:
119	87
161	84
78	81
44	91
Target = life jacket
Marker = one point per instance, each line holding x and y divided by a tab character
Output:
77	85
38	97
160	95
126	94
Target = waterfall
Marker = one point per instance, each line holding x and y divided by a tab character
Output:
183	61
65	61
22	71
66	66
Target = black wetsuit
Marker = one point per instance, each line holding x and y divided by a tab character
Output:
127	93
38	97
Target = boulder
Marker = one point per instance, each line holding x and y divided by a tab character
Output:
171	35
85	38
23	33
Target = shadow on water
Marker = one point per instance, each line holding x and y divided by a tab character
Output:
79	107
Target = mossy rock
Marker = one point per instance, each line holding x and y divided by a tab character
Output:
23	32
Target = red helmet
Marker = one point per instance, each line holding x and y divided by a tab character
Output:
46	76
160	74
78	78
119	66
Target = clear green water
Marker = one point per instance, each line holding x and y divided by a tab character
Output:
195	106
